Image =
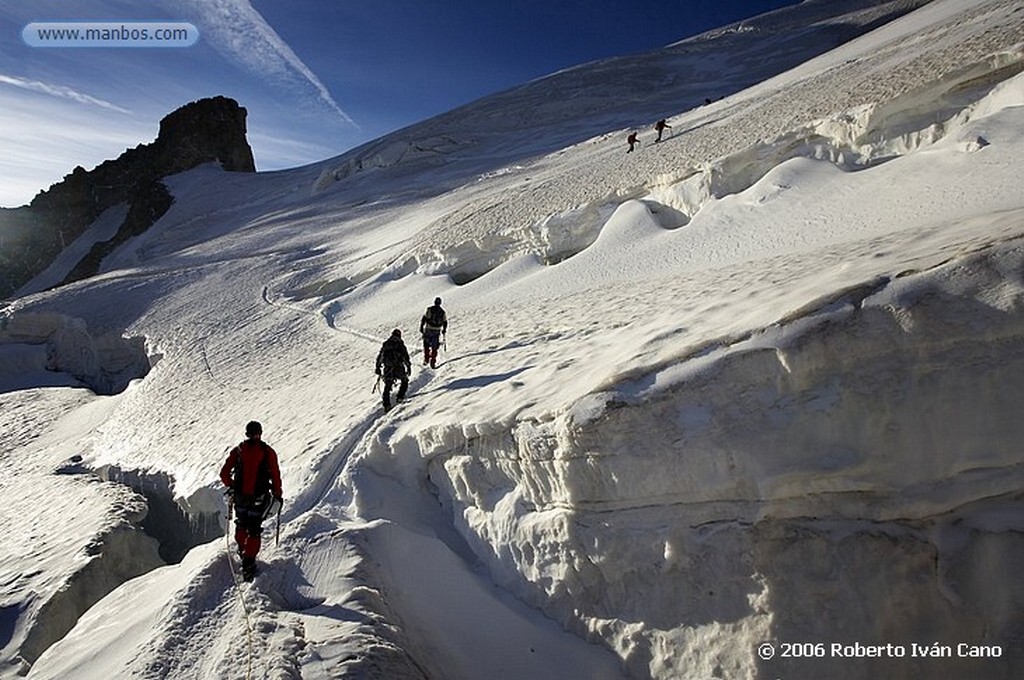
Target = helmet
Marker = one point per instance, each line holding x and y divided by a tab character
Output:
396	333
437	301
253	428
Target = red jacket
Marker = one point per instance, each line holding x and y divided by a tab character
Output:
253	459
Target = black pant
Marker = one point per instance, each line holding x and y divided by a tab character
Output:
249	514
431	343
390	378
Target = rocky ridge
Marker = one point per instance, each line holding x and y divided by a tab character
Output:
205	131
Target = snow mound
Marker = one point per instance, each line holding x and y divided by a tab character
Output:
506	226
407	155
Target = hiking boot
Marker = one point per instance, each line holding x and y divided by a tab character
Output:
248	568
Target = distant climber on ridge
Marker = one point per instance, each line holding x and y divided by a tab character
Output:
433	324
393	365
253	478
632	141
660	128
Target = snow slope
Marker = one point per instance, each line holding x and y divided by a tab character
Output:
757	383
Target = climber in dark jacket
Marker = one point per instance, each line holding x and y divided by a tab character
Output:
660	128
393	365
433	324
632	141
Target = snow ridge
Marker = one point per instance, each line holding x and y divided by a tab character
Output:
853	140
683	473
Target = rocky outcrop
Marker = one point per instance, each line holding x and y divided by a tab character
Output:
205	131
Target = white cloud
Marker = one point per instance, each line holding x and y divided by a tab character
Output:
61	92
236	29
44	138
277	152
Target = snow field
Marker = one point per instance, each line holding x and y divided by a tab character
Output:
523	494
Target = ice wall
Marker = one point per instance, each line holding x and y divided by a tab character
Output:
850	474
63	344
121	553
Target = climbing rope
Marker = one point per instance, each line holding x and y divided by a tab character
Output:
238	589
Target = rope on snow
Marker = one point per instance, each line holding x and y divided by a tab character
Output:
238	589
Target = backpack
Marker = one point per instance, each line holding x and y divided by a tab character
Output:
263	482
435	317
391	355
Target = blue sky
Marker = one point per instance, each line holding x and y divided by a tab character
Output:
317	76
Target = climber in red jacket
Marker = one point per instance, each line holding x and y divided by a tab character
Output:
253	478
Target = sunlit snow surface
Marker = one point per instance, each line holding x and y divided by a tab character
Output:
759	382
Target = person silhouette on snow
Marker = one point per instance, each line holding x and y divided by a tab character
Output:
660	128
632	140
433	324
253	478
393	365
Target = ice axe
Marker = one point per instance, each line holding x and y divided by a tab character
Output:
277	530
270	508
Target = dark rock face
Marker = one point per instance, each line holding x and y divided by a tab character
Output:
205	131
209	129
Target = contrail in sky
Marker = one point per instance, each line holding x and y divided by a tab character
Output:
235	28
60	91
